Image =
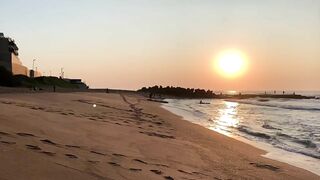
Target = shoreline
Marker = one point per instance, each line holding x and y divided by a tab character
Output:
124	136
263	151
281	155
295	159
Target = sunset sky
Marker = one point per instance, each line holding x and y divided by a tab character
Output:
130	44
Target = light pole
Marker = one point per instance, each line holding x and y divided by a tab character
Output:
33	64
62	73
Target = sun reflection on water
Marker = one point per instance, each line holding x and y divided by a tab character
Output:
227	118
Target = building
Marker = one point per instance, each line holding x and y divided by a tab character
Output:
77	82
9	56
34	74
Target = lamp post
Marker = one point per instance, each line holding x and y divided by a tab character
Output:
33	64
62	73
32	72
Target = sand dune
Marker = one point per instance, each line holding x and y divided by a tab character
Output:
62	136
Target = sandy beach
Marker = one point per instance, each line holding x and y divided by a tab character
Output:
63	136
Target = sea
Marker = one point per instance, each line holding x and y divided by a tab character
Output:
287	129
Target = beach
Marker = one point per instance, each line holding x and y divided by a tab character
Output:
85	135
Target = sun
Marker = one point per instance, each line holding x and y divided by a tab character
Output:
231	63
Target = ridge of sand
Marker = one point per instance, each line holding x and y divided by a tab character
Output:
62	136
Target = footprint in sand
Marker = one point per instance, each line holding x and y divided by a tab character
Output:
48	153
8	142
162	165
199	173
93	162
265	166
26	134
158	135
135	169
33	147
4	134
156	171
71	156
185	172
47	141
168	177
158	123
6	102
119	155
140	161
114	164
99	153
72	146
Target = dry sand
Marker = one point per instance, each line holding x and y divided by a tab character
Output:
62	136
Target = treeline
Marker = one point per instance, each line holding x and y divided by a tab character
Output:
10	80
178	92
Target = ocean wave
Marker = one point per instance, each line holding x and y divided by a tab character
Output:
277	143
290	149
283	106
299	134
267	126
253	133
196	111
306	143
284	135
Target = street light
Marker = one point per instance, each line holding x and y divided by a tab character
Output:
33	64
62	73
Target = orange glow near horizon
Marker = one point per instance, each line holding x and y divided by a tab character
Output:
231	63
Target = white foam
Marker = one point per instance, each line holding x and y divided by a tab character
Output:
294	159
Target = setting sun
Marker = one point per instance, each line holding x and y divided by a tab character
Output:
231	63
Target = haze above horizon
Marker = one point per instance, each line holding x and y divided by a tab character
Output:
131	44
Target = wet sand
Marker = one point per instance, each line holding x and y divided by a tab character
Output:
62	136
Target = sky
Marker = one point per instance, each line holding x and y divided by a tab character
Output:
131	44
